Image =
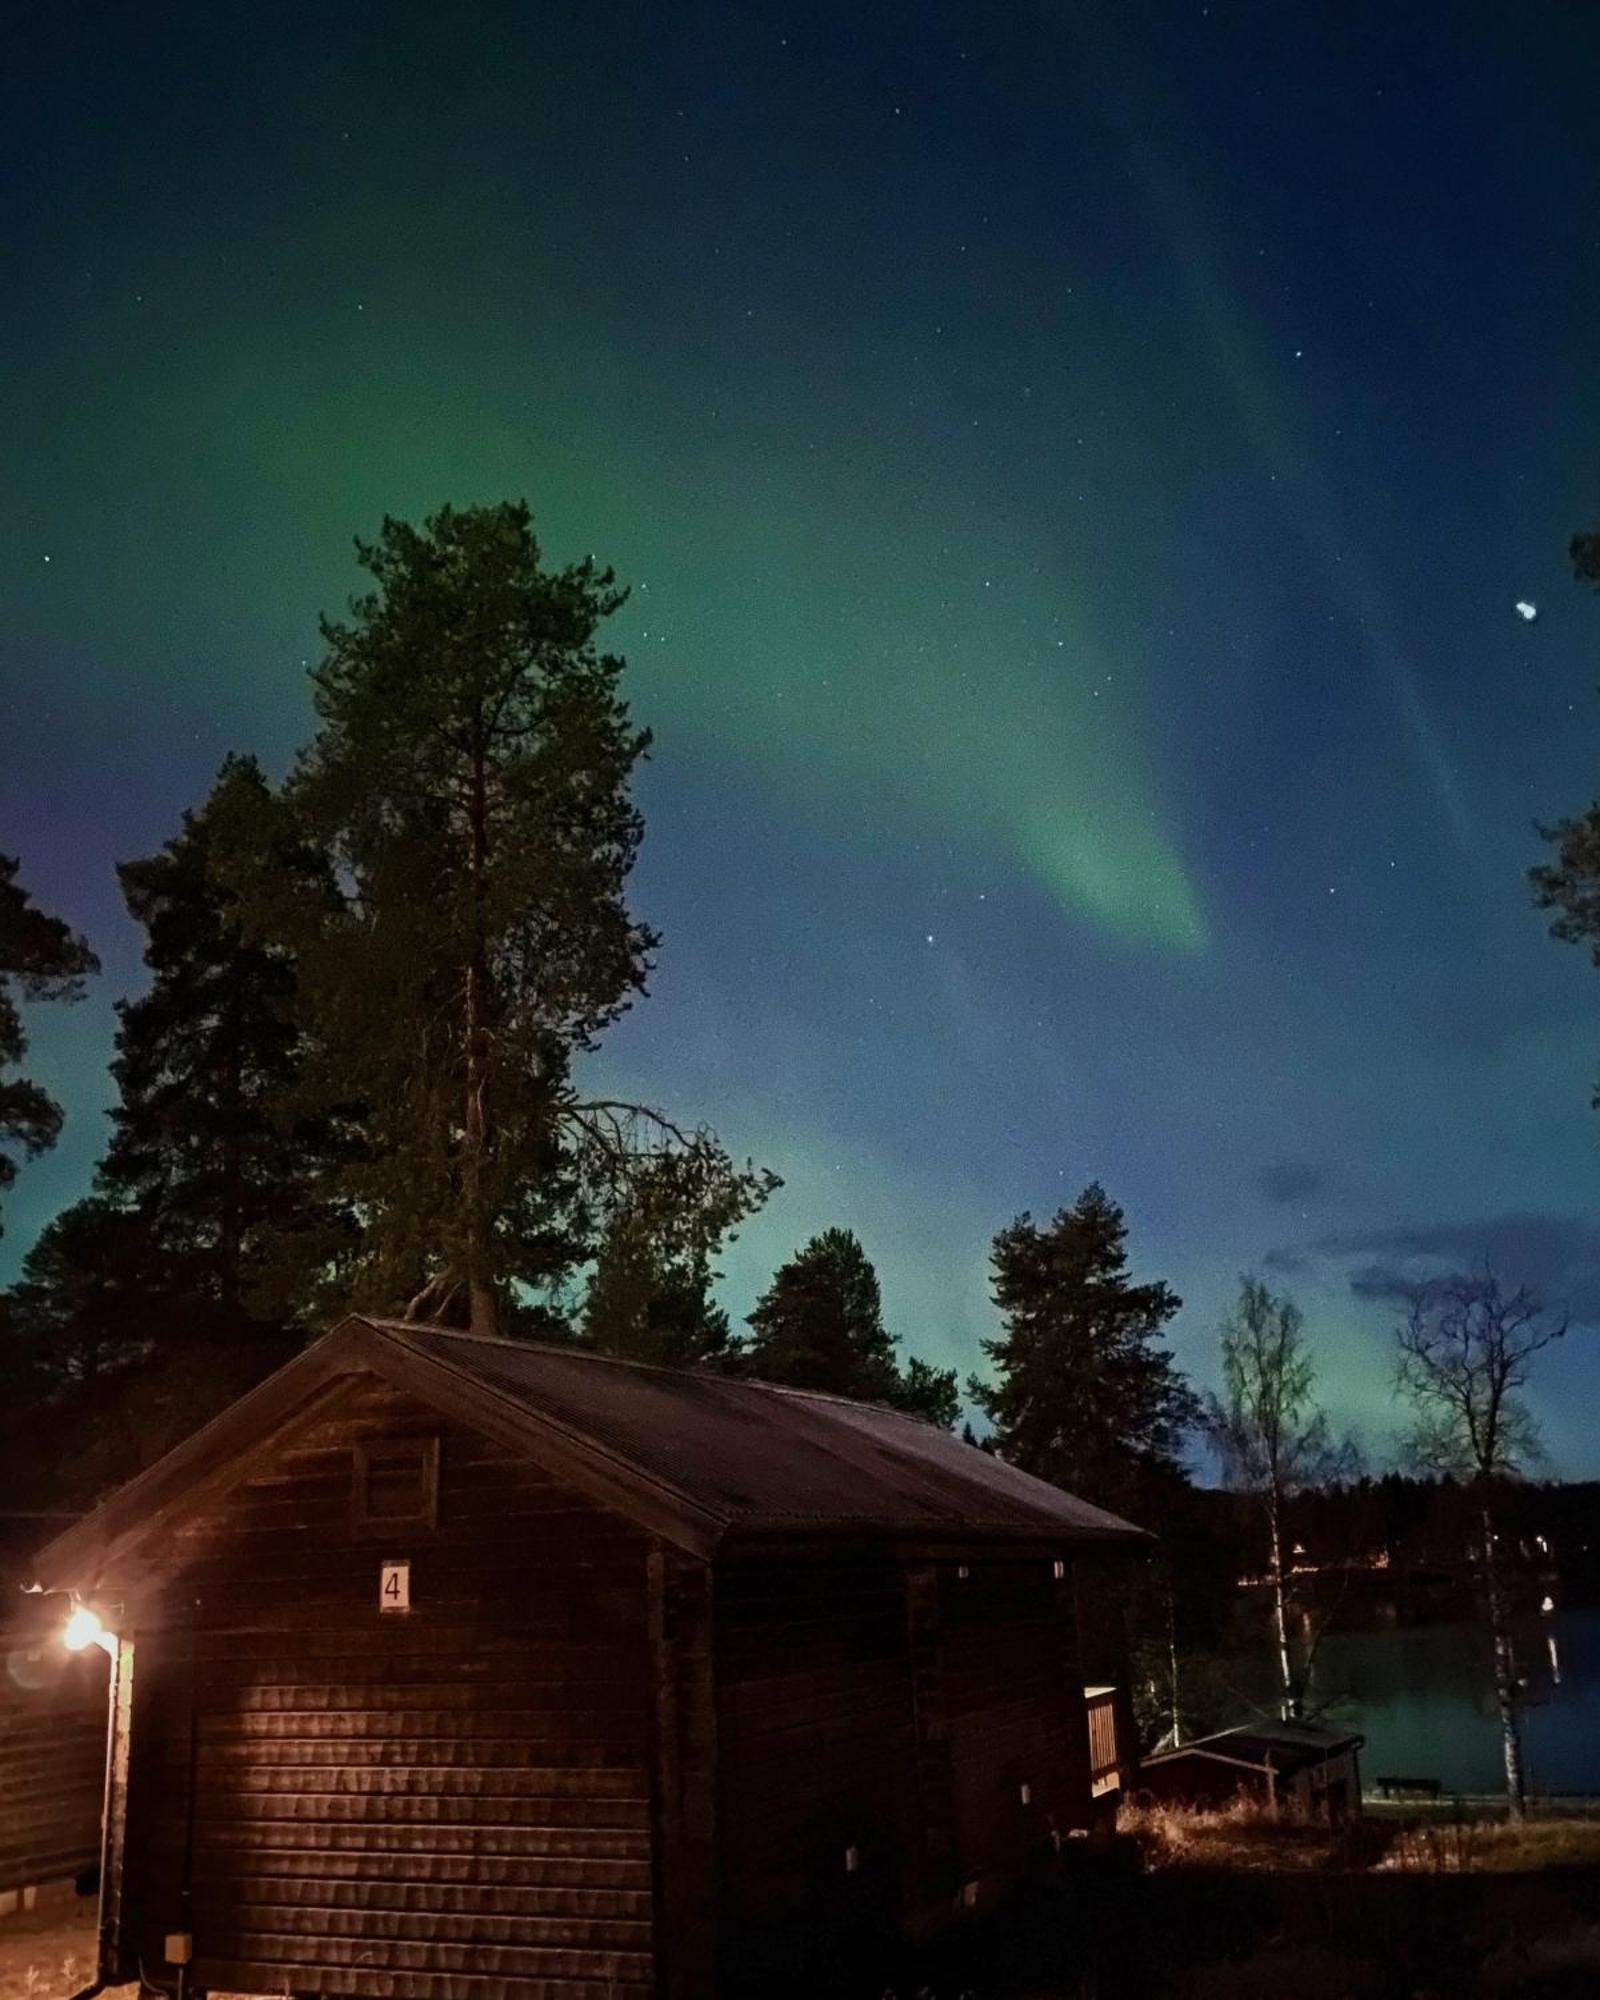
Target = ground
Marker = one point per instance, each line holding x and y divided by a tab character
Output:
1214	1906
48	1955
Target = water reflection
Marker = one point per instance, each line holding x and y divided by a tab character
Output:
1423	1697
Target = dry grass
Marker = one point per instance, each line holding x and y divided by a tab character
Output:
1493	1846
1248	1836
1241	1835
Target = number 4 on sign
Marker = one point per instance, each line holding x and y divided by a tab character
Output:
394	1586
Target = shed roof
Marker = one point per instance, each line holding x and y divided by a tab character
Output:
703	1458
1284	1747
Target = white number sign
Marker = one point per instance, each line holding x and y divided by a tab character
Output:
394	1586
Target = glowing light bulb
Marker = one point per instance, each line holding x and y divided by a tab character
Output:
82	1629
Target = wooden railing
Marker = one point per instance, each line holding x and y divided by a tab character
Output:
1105	1768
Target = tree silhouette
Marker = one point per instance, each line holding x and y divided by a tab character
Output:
40	959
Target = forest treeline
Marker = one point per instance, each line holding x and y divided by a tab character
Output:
359	1077
356	1074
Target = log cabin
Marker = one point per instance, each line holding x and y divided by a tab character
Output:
452	1668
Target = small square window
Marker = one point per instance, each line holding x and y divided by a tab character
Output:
396	1484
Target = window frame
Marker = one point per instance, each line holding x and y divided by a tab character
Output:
371	1451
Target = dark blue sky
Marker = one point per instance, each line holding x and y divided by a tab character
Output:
1077	467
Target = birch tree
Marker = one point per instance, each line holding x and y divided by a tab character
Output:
1467	1347
1274	1442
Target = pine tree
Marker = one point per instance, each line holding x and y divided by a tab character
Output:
208	1151
86	1304
819	1325
470	788
40	959
649	1297
1085	1396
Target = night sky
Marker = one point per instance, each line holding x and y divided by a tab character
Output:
1077	468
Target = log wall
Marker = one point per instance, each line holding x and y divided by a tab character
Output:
448	1804
877	1726
52	1756
1019	1749
818	1815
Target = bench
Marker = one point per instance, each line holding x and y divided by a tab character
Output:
1408	1788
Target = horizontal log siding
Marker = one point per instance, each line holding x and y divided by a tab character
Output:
450	1804
1015	1714
52	1756
816	1751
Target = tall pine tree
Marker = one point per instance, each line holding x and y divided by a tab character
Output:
40	959
210	1149
819	1325
1084	1395
470	788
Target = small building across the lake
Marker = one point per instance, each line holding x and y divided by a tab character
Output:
448	1668
1300	1768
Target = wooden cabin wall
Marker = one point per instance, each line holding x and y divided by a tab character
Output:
52	1755
817	1755
897	1710
1014	1713
448	1804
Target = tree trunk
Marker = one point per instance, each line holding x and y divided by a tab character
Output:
1505	1671
1172	1666
1280	1613
482	1296
230	1236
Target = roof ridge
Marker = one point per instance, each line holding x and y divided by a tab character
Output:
573	1351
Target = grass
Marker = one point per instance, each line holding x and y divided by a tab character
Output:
1474	1845
1460	1841
1234	1905
1242	1835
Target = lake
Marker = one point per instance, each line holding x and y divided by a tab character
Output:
1423	1697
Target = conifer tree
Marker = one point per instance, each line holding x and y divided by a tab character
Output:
469	786
649	1297
819	1325
85	1304
227	1175
40	959
1084	1394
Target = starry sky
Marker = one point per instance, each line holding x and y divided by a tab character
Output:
1077	467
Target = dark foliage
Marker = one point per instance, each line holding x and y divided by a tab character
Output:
1084	1395
469	789
40	959
210	1148
1570	884
649	1296
819	1325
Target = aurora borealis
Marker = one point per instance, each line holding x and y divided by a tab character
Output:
1077	467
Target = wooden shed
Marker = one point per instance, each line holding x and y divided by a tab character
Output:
448	1668
1302	1769
52	1759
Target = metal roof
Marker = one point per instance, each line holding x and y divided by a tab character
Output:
702	1459
1275	1746
759	1457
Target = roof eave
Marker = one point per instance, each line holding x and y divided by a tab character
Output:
221	1453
